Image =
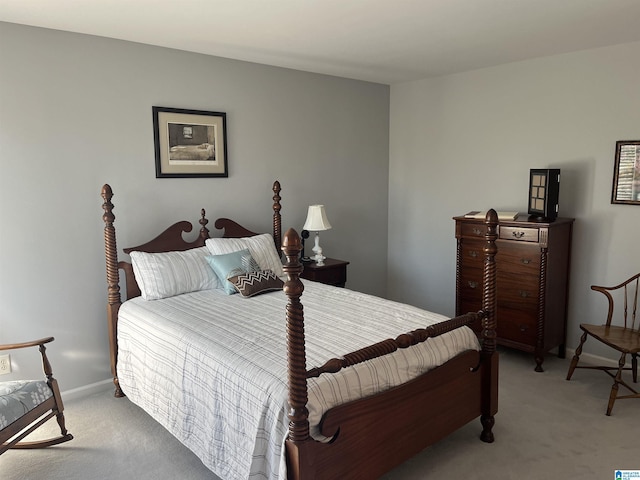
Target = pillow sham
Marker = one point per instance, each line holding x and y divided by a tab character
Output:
261	247
253	283
162	275
231	264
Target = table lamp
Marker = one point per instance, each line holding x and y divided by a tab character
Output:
316	222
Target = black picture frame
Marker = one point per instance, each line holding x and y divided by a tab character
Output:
626	173
190	143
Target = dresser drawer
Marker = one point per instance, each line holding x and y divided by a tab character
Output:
472	255
519	257
517	326
469	289
471	278
471	304
473	230
520	234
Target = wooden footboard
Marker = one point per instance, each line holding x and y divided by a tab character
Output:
370	436
375	434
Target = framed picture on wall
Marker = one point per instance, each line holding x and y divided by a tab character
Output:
626	173
190	143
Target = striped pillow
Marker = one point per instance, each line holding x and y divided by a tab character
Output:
162	275
261	247
253	283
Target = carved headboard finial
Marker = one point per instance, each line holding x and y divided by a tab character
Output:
204	231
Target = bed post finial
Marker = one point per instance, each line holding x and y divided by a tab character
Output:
489	327
111	251
113	280
277	221
489	297
296	356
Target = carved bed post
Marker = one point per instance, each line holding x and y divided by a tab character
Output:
277	220
489	326
113	280
297	371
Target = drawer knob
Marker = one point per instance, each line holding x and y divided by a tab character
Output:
473	253
523	328
472	284
517	234
524	294
477	231
526	261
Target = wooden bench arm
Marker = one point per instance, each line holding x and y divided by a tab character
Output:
34	343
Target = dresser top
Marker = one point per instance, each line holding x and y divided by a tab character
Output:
523	219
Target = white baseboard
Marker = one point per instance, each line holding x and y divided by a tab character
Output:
87	390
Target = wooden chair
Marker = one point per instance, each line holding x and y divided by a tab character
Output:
625	337
25	405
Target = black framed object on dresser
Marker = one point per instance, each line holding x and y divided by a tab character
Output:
544	193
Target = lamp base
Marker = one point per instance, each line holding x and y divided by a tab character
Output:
319	259
317	249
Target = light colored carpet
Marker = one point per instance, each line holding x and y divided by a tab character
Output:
546	428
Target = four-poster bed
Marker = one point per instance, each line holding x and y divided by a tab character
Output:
361	433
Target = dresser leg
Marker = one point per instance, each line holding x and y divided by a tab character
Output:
562	351
539	359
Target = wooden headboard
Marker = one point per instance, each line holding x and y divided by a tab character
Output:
169	240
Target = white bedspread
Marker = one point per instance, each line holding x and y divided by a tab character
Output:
212	368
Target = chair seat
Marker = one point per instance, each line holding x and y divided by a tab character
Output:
620	338
19	397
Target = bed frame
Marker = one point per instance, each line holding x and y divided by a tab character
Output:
370	436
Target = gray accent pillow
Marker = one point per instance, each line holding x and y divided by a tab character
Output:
253	283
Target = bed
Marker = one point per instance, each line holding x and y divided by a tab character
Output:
201	152
228	374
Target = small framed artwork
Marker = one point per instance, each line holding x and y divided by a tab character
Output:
190	143
626	173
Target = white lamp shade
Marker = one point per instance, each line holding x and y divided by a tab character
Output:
316	219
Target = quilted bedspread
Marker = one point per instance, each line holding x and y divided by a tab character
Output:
212	367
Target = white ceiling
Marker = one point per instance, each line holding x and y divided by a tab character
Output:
384	41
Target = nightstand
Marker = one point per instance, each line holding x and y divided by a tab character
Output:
333	272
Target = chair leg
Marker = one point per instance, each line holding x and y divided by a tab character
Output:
61	423
616	380
576	357
634	367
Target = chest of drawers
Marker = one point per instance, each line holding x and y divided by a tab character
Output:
532	267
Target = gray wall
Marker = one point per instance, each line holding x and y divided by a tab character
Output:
75	113
466	142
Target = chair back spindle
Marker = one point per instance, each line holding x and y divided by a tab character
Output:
634	298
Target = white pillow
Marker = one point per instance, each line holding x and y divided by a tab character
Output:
261	247
162	275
